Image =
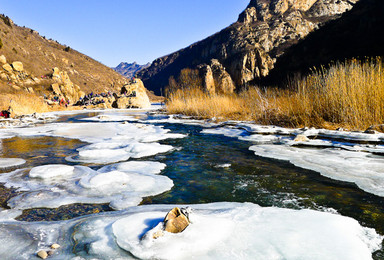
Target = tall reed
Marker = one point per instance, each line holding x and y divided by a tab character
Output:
348	94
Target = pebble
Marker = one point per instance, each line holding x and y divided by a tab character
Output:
55	246
42	254
301	138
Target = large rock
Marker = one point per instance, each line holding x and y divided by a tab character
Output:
64	87
7	68
17	66
206	74
249	48
134	95
215	78
56	89
175	221
3	60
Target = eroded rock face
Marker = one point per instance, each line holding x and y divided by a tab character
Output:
215	78
248	49
132	95
64	87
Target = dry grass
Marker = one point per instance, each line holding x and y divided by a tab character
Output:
349	95
23	104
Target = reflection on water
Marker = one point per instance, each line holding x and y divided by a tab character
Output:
211	168
40	150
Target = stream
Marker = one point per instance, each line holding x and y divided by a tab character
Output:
205	168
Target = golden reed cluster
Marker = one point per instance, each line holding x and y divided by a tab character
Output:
348	94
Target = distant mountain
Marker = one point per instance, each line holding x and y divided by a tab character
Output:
129	70
249	48
40	55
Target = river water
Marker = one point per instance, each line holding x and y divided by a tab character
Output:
204	168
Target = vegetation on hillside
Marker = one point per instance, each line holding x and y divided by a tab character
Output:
349	94
40	55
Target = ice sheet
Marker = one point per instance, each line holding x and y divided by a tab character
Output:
217	231
230	132
52	186
362	168
110	141
111	118
109	152
11	162
144	167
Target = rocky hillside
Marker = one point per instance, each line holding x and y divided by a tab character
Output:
248	49
129	70
357	34
40	55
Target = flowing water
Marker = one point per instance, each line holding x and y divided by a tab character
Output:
208	168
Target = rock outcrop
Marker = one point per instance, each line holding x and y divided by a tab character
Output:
132	95
16	77
248	49
357	34
39	55
64	88
215	78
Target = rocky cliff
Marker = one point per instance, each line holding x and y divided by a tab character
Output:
248	49
357	34
129	70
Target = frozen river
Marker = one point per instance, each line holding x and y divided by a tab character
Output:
95	182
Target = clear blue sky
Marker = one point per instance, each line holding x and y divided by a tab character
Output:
112	31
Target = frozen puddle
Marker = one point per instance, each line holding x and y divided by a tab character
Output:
335	159
217	231
122	185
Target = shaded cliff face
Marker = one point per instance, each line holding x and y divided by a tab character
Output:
248	48
357	34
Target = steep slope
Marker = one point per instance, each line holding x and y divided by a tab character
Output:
40	55
357	34
129	70
248	48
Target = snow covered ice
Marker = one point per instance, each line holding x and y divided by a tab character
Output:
217	231
10	162
52	186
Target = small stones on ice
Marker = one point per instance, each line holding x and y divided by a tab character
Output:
55	246
43	254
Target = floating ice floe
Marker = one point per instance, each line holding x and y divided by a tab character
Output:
179	119
11	162
111	118
217	231
230	132
52	186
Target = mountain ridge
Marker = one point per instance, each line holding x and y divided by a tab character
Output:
129	70
248	48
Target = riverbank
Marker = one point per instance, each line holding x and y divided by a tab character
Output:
349	95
